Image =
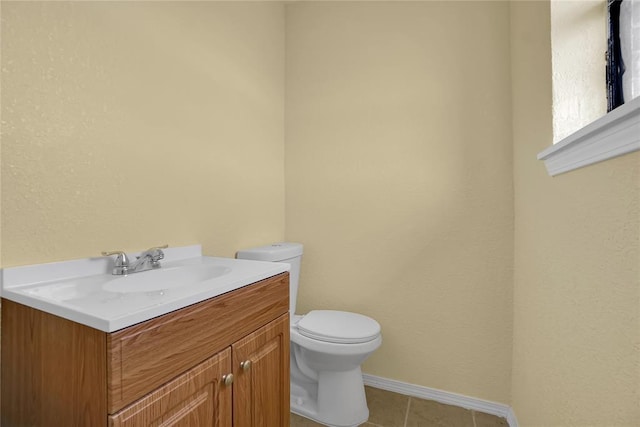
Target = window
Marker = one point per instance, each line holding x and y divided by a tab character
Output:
618	132
623	52
630	47
615	62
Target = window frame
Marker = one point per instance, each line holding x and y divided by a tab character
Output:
615	134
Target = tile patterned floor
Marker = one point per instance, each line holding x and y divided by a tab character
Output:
387	409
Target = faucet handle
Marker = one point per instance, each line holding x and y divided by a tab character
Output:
122	262
121	256
156	254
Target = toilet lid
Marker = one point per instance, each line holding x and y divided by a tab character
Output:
338	327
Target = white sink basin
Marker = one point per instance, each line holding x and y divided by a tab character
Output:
165	278
84	291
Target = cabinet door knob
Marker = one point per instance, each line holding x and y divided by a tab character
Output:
246	365
227	379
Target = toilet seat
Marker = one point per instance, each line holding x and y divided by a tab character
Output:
340	327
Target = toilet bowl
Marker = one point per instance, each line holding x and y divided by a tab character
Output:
327	349
326	380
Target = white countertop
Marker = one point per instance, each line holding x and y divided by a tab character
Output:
86	292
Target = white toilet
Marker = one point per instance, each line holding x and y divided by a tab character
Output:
327	349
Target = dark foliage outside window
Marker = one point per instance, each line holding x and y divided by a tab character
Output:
615	63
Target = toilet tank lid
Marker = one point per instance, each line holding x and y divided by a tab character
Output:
273	252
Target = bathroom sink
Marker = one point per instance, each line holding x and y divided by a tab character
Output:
146	281
86	292
165	278
66	291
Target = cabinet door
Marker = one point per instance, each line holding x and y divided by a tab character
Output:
261	387
196	398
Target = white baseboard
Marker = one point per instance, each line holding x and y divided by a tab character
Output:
498	409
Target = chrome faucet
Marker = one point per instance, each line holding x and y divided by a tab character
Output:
149	259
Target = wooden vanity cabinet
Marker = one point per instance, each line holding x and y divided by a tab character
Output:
198	397
261	371
167	371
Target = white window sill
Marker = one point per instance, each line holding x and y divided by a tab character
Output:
612	135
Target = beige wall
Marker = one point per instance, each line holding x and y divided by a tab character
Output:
576	346
399	181
125	125
132	124
579	42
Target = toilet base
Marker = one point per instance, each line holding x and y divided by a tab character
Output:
337	399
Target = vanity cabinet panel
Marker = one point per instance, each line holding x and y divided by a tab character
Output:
196	398
147	355
261	390
53	370
166	371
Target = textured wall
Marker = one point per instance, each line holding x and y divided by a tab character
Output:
576	347
579	43
131	124
399	181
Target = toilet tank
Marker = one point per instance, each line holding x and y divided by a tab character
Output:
291	253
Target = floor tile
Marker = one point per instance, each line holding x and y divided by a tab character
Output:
487	420
426	413
386	408
298	421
